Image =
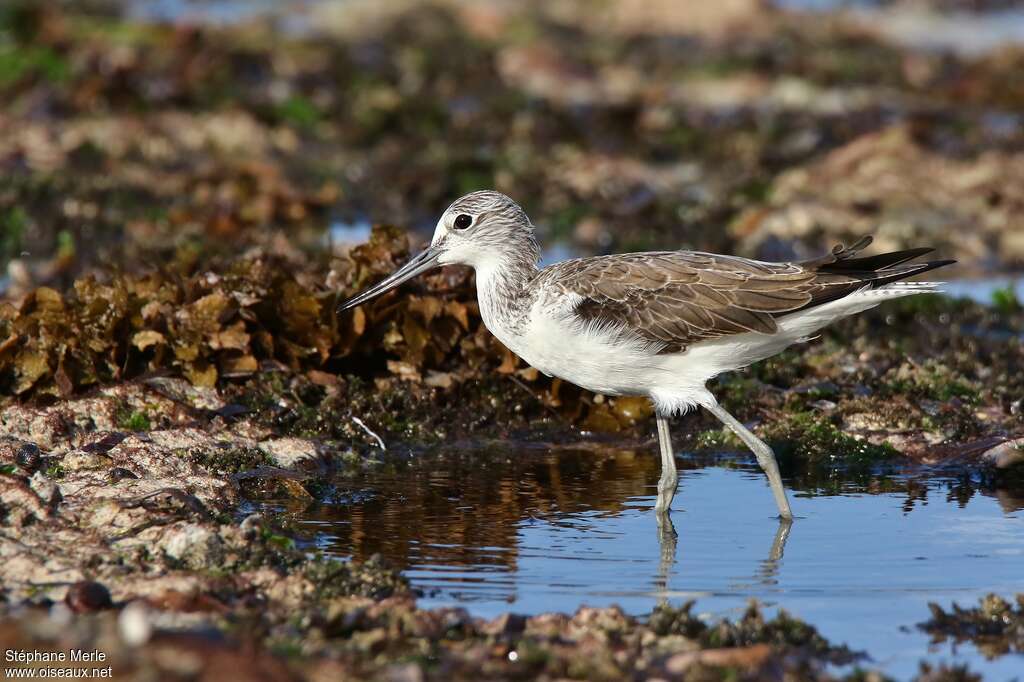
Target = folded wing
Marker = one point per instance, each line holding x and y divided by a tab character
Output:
674	299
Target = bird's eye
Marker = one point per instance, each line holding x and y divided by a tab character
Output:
462	221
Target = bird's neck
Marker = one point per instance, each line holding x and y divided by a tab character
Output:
502	283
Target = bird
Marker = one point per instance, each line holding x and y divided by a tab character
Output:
657	324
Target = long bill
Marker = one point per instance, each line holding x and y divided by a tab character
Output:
421	262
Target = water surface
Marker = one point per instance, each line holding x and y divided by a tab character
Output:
495	527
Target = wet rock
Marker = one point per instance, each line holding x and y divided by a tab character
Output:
86	596
408	672
46	428
173	458
289	453
186	602
506	624
817	389
105	443
600	620
78	461
21	501
46	489
747	658
119	474
938	201
179	390
1005	455
197	547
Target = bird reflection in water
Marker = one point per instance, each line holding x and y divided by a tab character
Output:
470	516
668	540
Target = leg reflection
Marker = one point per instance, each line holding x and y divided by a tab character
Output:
770	566
768	571
667	544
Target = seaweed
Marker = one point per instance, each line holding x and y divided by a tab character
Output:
995	626
212	325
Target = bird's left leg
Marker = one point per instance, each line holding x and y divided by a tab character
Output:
669	477
667	545
764	454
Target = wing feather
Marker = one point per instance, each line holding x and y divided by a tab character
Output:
675	299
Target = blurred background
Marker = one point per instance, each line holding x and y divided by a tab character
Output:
143	132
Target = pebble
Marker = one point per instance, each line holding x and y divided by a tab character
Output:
87	595
1006	454
28	457
134	624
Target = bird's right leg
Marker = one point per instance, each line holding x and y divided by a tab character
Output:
764	454
669	478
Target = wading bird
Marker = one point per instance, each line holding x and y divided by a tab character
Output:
658	324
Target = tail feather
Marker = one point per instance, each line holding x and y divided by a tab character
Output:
840	273
893	274
872	263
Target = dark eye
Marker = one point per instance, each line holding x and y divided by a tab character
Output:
462	221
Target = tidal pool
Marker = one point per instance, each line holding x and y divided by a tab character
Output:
494	527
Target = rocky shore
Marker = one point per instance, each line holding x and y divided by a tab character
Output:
182	207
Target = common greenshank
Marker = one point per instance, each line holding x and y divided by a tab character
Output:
658	324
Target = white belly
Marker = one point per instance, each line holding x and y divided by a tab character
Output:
593	358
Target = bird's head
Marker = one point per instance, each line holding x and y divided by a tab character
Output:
485	230
481	230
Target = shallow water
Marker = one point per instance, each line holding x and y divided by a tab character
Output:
984	290
211	11
920	27
531	529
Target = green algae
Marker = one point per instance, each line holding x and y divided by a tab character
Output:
228	458
13	224
133	420
1006	302
815	439
55	471
17	64
932	379
715	439
298	111
372	578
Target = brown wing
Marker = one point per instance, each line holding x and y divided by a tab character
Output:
677	298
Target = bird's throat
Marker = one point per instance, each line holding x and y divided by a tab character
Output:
502	290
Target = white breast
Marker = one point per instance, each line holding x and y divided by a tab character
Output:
595	357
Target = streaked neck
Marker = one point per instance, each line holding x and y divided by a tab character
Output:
502	286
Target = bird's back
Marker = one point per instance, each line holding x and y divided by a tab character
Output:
675	299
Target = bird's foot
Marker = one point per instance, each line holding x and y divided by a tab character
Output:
666	492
